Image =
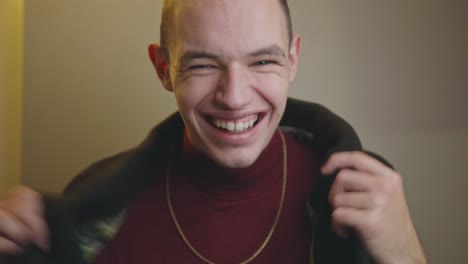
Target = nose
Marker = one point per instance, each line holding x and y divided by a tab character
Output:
234	89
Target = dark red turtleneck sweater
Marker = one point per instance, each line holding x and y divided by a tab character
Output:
225	213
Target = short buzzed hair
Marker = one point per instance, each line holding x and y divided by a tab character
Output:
168	13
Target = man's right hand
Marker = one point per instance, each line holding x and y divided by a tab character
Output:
22	221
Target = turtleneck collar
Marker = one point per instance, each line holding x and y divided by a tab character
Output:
212	180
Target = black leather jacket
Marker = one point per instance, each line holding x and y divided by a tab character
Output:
108	186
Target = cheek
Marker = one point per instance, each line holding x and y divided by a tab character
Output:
194	91
274	90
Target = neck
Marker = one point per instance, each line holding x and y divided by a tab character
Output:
210	178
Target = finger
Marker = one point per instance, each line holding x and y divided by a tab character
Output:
25	210
26	204
8	247
14	229
355	160
30	196
33	219
352	181
16	191
356	200
345	219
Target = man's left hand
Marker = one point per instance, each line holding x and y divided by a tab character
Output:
367	198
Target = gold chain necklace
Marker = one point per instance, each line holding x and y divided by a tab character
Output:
273	227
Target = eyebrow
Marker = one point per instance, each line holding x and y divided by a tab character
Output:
274	50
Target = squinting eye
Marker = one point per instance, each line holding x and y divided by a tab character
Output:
201	67
262	62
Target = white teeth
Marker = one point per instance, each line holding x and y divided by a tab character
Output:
239	127
232	126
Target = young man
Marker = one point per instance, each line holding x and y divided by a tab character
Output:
224	186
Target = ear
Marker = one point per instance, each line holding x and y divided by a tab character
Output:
294	53
160	64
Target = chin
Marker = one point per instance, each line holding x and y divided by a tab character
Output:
236	160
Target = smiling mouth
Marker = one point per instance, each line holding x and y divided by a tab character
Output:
235	126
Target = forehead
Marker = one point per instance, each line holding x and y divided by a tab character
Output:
228	26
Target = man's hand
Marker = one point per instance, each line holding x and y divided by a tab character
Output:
22	221
368	198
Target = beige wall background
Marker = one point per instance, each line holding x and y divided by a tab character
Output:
397	70
11	87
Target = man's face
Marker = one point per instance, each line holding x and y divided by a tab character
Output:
230	70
